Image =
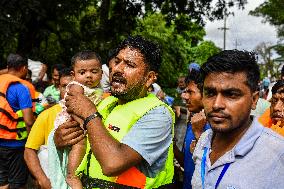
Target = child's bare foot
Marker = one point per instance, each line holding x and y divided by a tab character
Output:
74	182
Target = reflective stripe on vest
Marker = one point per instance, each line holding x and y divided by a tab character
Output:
118	119
12	125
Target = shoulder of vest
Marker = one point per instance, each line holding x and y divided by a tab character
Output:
105	103
6	80
139	106
143	105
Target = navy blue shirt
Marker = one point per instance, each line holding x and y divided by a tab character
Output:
19	98
188	161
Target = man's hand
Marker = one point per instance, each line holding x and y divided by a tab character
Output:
68	134
79	105
177	111
32	160
198	122
44	183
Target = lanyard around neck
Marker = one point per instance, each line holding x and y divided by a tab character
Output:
203	165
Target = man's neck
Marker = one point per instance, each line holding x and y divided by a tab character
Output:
223	142
122	100
15	73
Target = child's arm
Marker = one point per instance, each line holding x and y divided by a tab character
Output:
75	157
78	89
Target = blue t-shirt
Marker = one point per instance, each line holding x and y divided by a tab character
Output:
188	161
151	137
19	98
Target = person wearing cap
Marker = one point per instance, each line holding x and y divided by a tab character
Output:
264	92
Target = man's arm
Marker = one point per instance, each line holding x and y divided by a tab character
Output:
28	118
22	96
34	166
179	155
110	153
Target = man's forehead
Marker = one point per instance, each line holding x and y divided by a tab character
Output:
130	52
225	80
280	90
279	93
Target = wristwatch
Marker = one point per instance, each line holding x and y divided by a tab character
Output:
89	118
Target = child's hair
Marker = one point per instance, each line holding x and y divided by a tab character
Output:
85	55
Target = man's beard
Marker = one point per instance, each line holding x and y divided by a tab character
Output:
129	94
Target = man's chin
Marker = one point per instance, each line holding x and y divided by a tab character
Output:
117	93
276	120
220	127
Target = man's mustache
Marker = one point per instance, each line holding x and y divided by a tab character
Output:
277	114
116	77
220	114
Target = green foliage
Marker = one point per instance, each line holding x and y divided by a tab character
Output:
203	51
52	31
179	45
175	47
272	12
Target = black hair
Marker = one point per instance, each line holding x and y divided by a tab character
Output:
65	72
85	55
58	67
278	85
30	72
16	61
151	51
195	76
233	61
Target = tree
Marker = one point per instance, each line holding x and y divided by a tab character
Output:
268	66
272	12
52	31
179	48
32	25
203	51
197	10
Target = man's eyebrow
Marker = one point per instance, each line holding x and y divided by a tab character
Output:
281	90
209	88
129	62
223	90
232	89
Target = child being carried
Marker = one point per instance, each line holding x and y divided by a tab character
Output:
86	74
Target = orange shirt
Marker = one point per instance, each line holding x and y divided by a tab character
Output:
266	121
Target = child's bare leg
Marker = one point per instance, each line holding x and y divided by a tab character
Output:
75	157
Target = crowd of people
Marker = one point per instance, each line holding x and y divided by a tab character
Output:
99	126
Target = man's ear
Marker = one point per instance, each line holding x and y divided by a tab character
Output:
151	78
23	69
255	97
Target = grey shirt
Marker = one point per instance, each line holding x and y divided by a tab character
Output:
257	161
151	137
